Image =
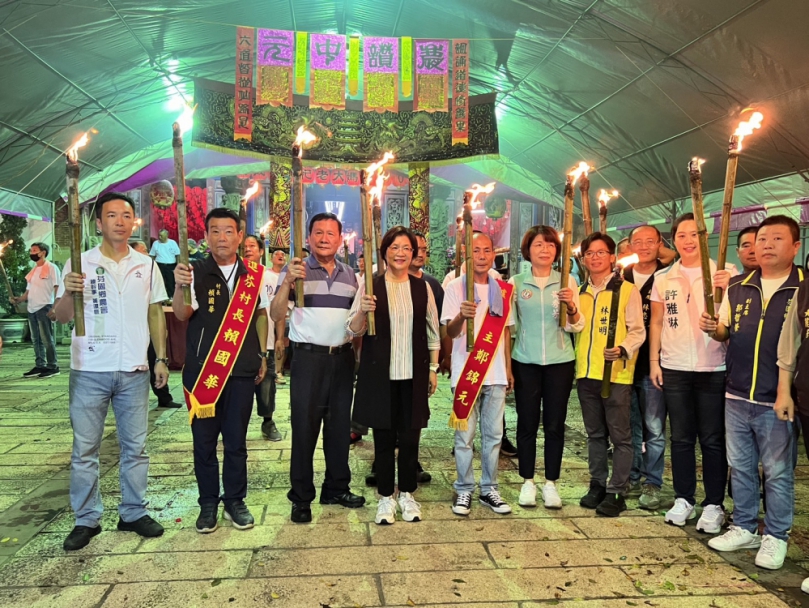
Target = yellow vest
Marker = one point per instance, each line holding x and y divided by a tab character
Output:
592	341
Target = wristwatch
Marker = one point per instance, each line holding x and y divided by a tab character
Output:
434	367
264	355
162	360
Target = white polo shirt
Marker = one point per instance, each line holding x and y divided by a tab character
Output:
41	281
116	306
165	253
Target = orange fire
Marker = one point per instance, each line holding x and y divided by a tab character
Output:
604	196
747	128
73	151
376	191
377	167
477	190
577	172
251	192
374	174
6	244
627	260
304	138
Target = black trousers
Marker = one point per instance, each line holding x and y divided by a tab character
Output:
321	392
163	395
232	417
696	405
401	403
541	392
265	392
167	271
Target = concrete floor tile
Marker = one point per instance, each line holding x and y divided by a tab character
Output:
29	471
461	530
84	596
626	527
721	601
680	579
107	543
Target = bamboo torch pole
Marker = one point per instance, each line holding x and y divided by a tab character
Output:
734	148
470	278
566	243
584	186
458	242
695	175
604	198
367	246
72	175
297	213
182	217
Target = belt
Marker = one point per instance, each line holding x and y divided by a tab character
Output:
325	350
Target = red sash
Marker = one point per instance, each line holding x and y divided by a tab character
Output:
479	362
227	345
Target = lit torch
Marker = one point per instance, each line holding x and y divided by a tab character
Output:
182	124
250	193
604	197
458	241
612	325
3	268
734	148
376	202
567	239
346	243
695	176
584	187
470	201
303	138
72	174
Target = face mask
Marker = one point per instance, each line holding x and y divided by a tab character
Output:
34	257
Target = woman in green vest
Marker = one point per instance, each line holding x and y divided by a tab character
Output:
543	361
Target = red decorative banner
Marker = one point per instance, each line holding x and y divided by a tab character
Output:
460	92
275	59
432	65
327	67
243	101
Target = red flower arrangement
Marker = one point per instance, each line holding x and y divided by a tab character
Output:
196	205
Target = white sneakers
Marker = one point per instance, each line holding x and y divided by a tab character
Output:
681	512
528	494
386	509
805	585
735	539
711	520
772	553
411	510
551	496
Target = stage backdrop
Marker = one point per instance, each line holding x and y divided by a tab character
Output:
346	136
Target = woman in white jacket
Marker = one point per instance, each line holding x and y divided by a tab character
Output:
689	367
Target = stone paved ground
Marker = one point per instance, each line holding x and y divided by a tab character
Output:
531	558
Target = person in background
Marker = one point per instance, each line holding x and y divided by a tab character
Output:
278	261
202	248
623	248
194	254
648	414
164	398
689	368
265	392
489	406
108	367
607	417
543	361
750	320
322	379
42	284
395	378
746	249
166	253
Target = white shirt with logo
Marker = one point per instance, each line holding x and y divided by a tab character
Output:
165	253
41	283
117	296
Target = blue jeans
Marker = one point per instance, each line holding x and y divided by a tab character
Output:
754	433
90	396
653	409
42	337
636	425
489	407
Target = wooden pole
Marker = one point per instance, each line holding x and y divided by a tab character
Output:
727	207
5	276
345	251
458	242
297	216
182	217
367	247
72	173
612	327
695	175
566	246
470	271
584	186
376	211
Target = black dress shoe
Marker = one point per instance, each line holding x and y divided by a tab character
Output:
171	404
594	497
507	448
79	537
145	527
422	476
301	514
348	500
612	506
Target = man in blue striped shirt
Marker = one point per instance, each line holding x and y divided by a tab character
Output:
322	371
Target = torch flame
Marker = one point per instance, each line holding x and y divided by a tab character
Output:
477	189
186	119
304	138
577	172
747	128
251	191
379	186
604	196
627	260
73	151
377	167
265	228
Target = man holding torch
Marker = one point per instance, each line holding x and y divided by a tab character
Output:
607	416
123	292
322	376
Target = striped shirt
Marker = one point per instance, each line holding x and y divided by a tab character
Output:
400	311
327	302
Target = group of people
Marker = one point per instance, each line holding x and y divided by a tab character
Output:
726	379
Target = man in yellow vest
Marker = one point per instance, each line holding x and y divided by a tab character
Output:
610	305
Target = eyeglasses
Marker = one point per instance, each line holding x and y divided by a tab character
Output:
596	254
647	243
397	249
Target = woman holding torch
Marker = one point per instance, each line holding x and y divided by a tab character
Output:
689	367
543	361
395	378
